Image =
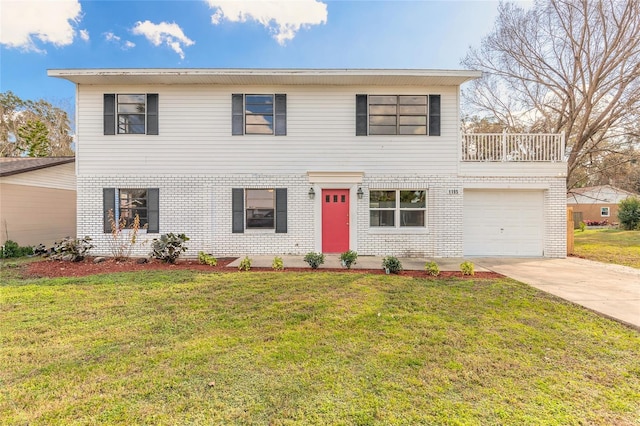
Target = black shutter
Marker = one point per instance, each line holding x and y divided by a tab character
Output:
281	210
237	113
109	114
153	210
280	115
108	203
434	115
152	113
361	115
238	210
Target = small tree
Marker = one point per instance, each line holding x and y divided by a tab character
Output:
629	213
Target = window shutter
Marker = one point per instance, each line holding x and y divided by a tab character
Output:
281	210
109	114
152	114
434	115
153	210
237	119
361	115
108	203
280	115
238	210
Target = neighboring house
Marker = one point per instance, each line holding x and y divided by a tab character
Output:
597	203
37	199
260	161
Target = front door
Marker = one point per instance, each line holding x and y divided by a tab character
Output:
335	220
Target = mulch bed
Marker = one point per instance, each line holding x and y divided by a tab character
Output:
55	268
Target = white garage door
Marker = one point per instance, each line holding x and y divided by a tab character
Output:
503	222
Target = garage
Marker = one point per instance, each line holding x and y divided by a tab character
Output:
503	222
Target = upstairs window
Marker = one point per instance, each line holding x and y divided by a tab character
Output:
131	114
259	114
397	208
397	115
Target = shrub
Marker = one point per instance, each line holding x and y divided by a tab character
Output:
12	249
582	226
466	268
168	247
277	264
348	258
245	264
432	269
629	213
71	249
207	259
314	259
391	264
122	239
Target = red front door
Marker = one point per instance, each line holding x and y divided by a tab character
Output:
335	220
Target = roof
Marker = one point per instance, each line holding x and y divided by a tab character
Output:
254	77
15	165
601	194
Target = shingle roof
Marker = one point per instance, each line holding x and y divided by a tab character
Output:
14	165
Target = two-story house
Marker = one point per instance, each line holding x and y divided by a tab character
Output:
287	161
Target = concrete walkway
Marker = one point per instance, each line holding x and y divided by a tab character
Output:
611	290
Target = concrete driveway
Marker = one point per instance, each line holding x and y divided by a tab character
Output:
611	290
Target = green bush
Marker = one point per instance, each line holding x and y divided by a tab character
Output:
391	264
277	264
71	249
314	259
12	249
168	247
348	258
432	269
245	264
207	259
629	213
467	268
582	226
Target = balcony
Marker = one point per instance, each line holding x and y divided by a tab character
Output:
504	154
523	147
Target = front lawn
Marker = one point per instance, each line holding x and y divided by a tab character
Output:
609	245
307	348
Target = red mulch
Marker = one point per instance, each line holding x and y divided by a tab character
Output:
55	268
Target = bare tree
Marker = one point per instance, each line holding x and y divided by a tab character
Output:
568	66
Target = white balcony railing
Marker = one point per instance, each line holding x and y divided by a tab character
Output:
519	147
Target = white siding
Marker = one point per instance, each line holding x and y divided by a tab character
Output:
195	135
62	176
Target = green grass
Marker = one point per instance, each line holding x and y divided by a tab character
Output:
307	348
609	245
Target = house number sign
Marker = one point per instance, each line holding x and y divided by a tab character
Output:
453	192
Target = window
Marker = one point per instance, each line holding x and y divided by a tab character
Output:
259	209
604	211
257	114
397	208
131	114
125	203
132	202
397	115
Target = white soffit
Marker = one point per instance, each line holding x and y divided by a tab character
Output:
260	77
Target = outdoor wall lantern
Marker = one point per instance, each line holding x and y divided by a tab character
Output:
312	193
360	193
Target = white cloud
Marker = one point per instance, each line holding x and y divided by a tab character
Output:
48	21
124	45
84	35
283	18
164	32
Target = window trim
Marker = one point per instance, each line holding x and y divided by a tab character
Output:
111	116
397	227
239	114
247	208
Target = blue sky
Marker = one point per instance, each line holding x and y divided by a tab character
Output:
39	35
